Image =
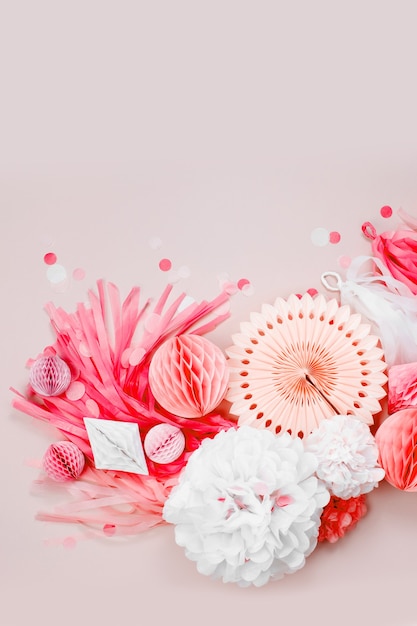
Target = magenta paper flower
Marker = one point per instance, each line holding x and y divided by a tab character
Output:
397	249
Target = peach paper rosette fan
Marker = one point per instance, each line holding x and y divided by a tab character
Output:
303	360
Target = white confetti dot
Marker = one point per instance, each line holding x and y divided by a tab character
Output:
56	273
320	237
184	271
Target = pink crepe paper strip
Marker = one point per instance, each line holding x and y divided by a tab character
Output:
97	343
402	387
397	442
397	249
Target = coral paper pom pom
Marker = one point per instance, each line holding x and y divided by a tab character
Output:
164	443
63	461
397	442
188	376
50	376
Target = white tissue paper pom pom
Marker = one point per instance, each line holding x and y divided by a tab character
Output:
347	456
247	506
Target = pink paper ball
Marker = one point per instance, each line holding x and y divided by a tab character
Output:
397	443
50	376
63	461
164	443
188	376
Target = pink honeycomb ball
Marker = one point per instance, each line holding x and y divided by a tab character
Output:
164	443
397	443
63	461
50	376
188	376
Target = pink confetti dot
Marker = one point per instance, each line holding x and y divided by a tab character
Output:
344	261
78	274
152	323
334	237
313	292
84	350
50	258
136	356
92	407
242	282
75	391
165	265
109	529
69	542
386	211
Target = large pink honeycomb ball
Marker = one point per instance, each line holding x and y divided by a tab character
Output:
50	376
188	376
164	443
397	442
63	461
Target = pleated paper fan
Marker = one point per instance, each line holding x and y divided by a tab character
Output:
303	360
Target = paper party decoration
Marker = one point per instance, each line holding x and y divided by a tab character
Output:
188	376
116	445
300	361
50	376
397	443
63	461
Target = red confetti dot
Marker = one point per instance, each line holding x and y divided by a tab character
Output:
334	237
165	265
109	529
313	292
242	283
50	258
386	211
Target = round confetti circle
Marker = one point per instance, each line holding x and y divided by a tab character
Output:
320	237
386	211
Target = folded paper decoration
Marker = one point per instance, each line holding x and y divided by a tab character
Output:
116	445
300	361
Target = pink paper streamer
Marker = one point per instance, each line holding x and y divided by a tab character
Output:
106	331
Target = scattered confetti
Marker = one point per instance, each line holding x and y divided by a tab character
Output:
75	391
344	261
109	530
92	407
184	271
386	211
50	258
151	324
242	283
136	356
334	237
78	274
320	237
84	350
56	273
69	542
248	290
165	265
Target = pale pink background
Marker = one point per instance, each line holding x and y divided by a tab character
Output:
230	130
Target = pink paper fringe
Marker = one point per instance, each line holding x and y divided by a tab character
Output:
97	351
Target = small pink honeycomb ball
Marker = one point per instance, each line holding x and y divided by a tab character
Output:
63	461
50	376
164	443
188	376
